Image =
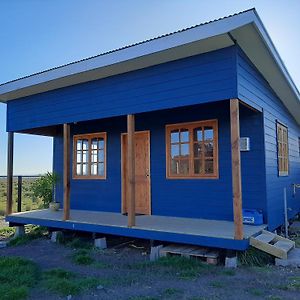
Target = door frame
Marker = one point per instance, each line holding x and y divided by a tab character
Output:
122	172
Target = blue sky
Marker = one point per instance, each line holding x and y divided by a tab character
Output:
40	34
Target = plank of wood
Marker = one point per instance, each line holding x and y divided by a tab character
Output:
279	237
131	169
266	237
212	254
268	248
10	159
284	245
189	251
66	171
199	252
236	169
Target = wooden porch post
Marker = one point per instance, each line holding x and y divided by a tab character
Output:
10	159
131	170
236	169
66	172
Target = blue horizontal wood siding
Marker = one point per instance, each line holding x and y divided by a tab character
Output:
252	87
194	198
198	79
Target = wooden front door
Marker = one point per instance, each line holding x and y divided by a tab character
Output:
142	173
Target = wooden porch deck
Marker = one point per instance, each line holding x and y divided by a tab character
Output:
211	233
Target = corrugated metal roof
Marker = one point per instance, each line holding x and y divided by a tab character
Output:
128	46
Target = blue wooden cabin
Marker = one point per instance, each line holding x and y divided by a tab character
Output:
146	138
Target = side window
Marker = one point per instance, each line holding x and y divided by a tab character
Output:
282	150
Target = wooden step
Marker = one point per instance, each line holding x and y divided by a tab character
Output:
266	237
284	245
273	244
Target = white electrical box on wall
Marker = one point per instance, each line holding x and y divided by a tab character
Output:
245	144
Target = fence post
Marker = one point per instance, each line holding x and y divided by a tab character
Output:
19	193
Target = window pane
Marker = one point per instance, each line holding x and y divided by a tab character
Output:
101	143
78	169
197	150
285	136
175	136
209	149
94	156
198	134
209	166
84	169
78	158
101	155
184	150
94	169
208	133
174	166
184	135
174	151
79	142
197	166
101	169
84	156
94	143
85	144
184	167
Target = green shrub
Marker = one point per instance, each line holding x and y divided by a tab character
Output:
43	187
6	232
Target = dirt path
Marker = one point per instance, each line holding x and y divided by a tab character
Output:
130	277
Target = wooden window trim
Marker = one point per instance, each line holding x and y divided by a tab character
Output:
190	126
88	137
282	157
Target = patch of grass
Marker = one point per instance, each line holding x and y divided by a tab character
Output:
17	275
169	292
6	232
143	298
255	292
73	242
217	284
228	272
272	297
65	283
264	269
82	257
254	257
32	232
77	243
102	265
185	268
294	283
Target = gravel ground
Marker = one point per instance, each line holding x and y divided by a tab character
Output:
120	266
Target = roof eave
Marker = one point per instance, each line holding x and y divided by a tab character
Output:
17	89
